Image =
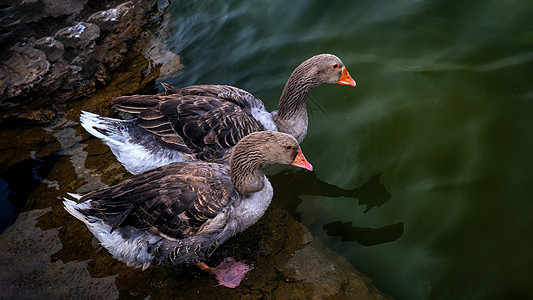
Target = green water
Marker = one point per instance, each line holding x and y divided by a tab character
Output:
443	110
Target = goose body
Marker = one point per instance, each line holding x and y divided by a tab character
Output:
205	122
182	212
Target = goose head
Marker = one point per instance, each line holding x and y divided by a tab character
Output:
317	70
323	69
263	148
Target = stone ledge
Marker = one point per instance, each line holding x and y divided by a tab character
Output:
57	51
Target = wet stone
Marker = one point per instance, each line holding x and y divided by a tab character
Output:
27	270
42	116
109	19
53	48
38	9
23	70
78	36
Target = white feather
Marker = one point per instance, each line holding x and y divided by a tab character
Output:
137	156
252	208
133	251
264	117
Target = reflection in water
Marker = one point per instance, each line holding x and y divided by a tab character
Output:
65	133
18	182
291	185
7	214
364	236
314	109
21	179
294	184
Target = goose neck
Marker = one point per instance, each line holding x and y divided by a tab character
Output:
245	170
293	98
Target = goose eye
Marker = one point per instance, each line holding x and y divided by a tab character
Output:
335	66
288	147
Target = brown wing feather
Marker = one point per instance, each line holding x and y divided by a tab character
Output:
204	120
224	92
175	200
137	103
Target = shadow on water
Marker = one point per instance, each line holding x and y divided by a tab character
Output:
371	194
18	182
295	184
364	236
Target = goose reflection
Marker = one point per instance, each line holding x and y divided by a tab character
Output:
372	194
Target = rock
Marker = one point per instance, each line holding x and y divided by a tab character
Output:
42	116
44	63
39	276
53	48
22	70
78	36
39	9
109	20
102	74
331	275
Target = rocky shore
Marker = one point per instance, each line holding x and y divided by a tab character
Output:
61	56
61	49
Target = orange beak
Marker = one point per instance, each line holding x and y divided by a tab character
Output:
346	79
301	162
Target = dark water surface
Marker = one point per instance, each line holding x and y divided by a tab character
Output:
443	110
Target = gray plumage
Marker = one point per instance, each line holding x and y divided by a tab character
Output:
204	122
182	212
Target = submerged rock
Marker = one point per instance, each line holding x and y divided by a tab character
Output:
330	274
27	270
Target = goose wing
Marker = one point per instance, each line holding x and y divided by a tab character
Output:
204	121
178	200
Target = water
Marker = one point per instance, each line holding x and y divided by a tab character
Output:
18	183
442	110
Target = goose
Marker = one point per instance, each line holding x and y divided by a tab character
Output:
204	122
182	212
